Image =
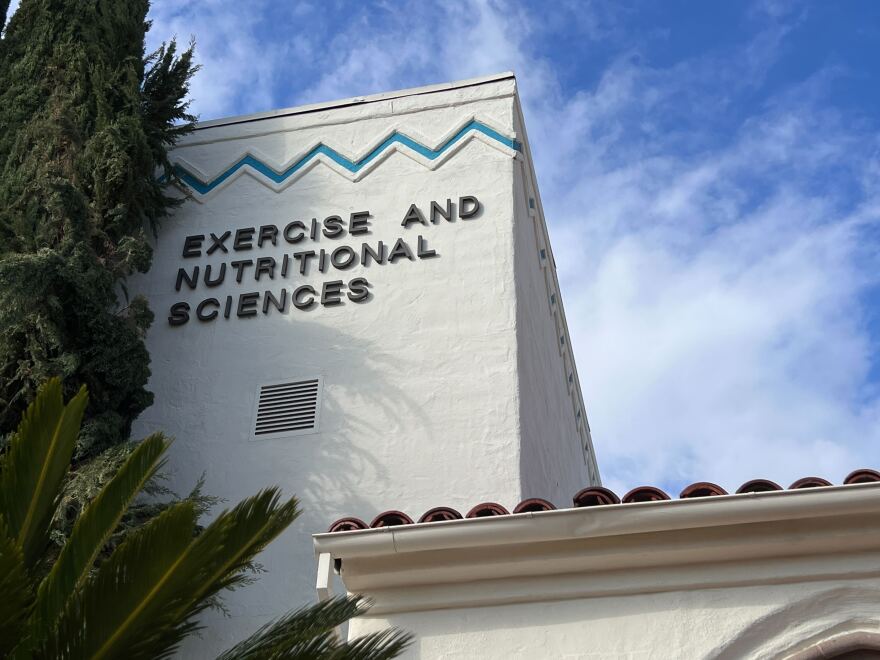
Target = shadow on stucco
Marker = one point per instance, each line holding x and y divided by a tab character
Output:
206	376
330	470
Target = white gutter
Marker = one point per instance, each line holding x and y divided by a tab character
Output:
604	521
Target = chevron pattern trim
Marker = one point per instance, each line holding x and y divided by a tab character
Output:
203	187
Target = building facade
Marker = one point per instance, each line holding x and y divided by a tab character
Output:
358	302
762	574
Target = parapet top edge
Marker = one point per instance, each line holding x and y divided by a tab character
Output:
353	101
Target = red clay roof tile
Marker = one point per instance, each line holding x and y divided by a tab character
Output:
347	525
644	494
702	489
533	504
594	496
391	519
809	482
862	476
487	509
439	513
758	486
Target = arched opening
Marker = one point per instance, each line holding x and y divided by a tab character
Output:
841	622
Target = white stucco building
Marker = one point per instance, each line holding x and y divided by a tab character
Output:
359	304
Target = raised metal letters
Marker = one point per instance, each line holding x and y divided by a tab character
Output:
305	262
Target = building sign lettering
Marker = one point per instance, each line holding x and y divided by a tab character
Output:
240	262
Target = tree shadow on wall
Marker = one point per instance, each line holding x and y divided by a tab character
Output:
332	471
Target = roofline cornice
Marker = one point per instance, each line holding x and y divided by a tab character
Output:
353	101
644	547
604	521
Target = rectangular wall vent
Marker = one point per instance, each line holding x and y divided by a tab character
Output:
288	408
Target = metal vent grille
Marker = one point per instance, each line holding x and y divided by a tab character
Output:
288	408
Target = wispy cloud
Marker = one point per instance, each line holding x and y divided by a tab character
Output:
13	5
716	297
716	238
238	67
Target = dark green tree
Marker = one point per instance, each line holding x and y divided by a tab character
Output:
86	122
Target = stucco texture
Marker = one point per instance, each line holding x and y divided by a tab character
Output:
425	385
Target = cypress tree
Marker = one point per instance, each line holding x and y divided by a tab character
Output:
86	122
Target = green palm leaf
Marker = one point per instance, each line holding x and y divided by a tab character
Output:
124	583
295	628
226	548
309	633
34	469
94	527
15	592
145	597
382	645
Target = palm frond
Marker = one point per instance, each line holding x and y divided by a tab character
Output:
309	633
93	528
145	597
15	590
225	549
382	645
117	609
296	627
33	472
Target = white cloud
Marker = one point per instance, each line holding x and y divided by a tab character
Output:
424	43
719	330
235	61
13	5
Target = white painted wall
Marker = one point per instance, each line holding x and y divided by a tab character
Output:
757	622
556	450
434	390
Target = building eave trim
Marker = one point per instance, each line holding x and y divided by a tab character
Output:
604	521
353	101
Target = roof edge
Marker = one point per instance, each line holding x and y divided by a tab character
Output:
603	521
771	537
354	100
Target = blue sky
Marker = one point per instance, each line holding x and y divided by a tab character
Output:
711	180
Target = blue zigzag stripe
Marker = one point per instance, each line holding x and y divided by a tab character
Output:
204	187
